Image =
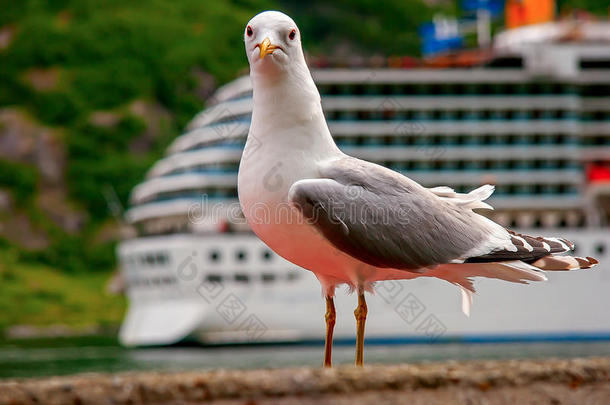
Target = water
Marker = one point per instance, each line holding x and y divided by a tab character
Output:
46	361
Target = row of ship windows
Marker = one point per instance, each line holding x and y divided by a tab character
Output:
240	278
214	256
434	165
235	143
441	140
436	115
151	281
147	259
484	165
459	89
265	278
457	140
539	219
249	278
240	255
459	115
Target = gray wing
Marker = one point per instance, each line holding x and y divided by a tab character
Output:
386	219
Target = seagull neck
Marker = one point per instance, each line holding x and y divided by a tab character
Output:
289	101
292	91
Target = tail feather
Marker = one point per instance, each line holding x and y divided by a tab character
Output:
514	271
472	200
466	300
461	274
559	263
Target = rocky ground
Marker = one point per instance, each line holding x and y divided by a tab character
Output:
574	381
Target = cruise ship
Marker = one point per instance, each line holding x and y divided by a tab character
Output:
531	115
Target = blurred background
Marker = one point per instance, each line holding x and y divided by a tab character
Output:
94	93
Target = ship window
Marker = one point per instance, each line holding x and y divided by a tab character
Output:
214	255
242	278
161	258
600	248
213	278
241	255
267	255
292	276
268	277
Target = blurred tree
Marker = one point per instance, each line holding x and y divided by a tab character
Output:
598	7
387	28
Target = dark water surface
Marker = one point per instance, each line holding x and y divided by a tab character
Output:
37	360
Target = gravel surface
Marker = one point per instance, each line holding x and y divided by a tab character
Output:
574	381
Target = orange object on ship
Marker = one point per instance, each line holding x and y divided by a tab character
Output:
526	12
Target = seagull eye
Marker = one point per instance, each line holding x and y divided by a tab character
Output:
292	34
249	31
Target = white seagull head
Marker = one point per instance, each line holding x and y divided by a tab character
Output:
273	43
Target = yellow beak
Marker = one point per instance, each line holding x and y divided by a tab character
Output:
266	48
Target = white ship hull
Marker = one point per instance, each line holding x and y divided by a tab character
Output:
229	288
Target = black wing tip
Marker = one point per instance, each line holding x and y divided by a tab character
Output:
528	249
593	261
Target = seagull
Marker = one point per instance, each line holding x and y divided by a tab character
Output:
354	222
